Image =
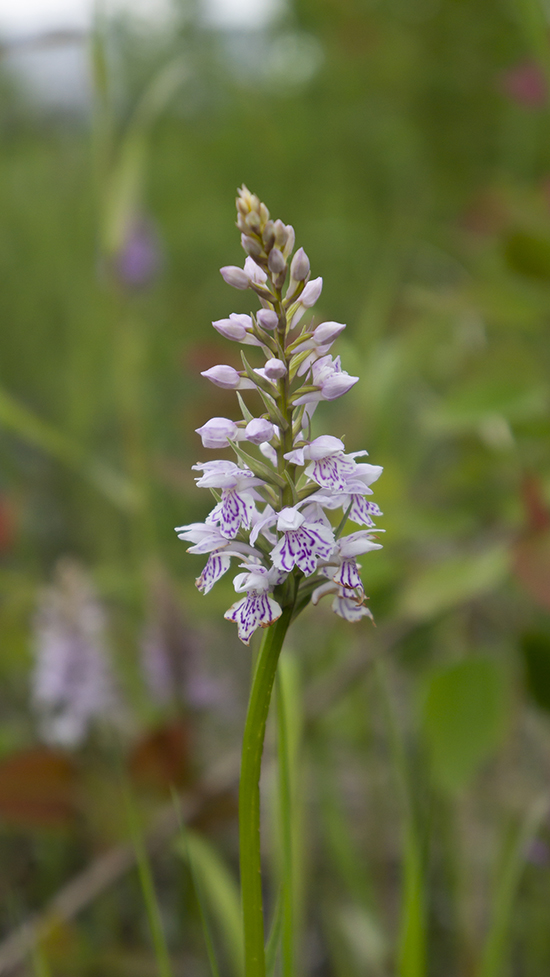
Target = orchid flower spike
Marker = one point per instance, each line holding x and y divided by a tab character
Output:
277	503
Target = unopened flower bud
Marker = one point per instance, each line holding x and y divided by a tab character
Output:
254	272
290	239
268	236
258	430
327	332
299	268
217	432
274	369
264	214
280	233
223	376
253	222
235	276
243	200
276	261
267	318
233	328
311	293
251	245
227	378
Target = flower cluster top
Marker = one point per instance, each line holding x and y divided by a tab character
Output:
272	502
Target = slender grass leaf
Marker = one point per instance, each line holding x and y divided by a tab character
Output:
152	907
218	889
496	958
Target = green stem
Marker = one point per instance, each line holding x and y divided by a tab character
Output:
286	831
249	794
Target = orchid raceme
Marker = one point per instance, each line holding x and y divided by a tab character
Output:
273	503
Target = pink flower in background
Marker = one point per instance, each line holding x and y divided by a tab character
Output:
139	260
525	84
72	681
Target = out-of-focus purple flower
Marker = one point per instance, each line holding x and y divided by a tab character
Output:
525	84
169	653
72	684
538	853
139	260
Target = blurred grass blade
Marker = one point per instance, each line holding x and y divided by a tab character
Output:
495	954
216	887
411	944
40	965
412	935
124	185
162	955
274	938
31	428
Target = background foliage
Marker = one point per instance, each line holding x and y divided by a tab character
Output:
408	145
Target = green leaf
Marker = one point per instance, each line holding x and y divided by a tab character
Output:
495	958
464	718
220	891
258	467
150	898
442	585
411	955
535	649
528	254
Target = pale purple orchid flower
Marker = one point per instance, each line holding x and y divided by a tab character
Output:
329	378
72	684
270	514
238	495
329	466
303	543
257	609
344	559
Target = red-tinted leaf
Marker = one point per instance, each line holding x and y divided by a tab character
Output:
7	524
532	551
161	759
38	788
532	566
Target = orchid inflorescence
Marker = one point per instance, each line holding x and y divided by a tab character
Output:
272	503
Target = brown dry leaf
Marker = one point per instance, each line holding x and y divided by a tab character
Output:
38	788
531	554
161	759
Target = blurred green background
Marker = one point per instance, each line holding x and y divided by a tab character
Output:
408	144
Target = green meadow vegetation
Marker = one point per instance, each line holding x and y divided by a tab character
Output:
409	145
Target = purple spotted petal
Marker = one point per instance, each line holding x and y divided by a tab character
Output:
330	472
232	512
252	612
303	548
216	566
348	575
362	511
349	609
